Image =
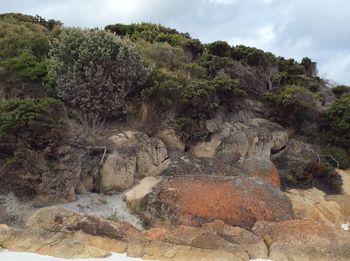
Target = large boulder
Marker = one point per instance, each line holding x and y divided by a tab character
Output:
195	200
303	240
247	146
134	155
118	173
151	153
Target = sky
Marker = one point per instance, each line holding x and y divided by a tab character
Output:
318	29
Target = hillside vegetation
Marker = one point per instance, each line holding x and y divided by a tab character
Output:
54	80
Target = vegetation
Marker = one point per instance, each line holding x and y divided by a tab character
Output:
338	122
292	104
28	117
27	67
340	90
338	154
94	71
104	74
308	174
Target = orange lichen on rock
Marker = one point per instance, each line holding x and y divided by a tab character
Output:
238	201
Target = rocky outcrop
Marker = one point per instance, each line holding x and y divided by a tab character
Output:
195	200
246	146
118	173
134	155
253	245
303	240
312	205
62	233
171	139
135	196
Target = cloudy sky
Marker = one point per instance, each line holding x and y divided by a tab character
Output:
318	29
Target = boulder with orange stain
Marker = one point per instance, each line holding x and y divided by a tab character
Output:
195	200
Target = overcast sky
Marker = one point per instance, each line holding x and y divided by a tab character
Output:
319	29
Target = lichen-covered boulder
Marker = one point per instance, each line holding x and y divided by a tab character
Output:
195	200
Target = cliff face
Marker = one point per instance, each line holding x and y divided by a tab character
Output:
225	152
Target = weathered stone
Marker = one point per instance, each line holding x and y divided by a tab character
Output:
311	205
150	152
345	174
302	240
246	240
171	139
63	233
246	146
194	200
136	194
118	173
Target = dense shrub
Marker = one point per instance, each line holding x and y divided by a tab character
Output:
338	122
17	17
292	104
29	122
340	90
310	83
309	67
339	154
162	55
194	47
308	174
219	48
27	67
95	70
16	38
163	87
252	56
214	64
150	32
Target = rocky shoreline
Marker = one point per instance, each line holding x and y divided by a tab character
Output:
315	233
163	203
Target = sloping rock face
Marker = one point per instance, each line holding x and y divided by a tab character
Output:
315	205
301	240
195	200
62	233
246	146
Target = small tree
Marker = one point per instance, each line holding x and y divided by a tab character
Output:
94	71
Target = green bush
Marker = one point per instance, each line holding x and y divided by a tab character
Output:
162	55
150	33
29	121
213	63
95	71
252	56
340	90
27	66
227	87
292	104
16	38
339	154
338	122
17	17
194	47
305	175
219	48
